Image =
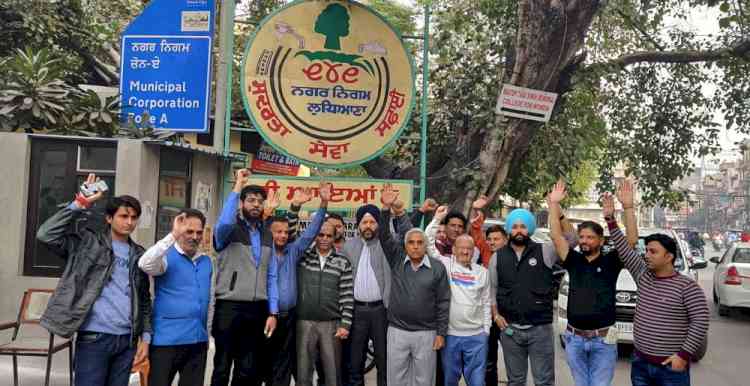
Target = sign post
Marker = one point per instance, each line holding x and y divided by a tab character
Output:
166	65
526	103
329	83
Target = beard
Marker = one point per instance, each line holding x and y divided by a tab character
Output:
588	251
520	240
368	234
248	214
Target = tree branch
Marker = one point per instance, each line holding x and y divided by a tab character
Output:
640	30
739	49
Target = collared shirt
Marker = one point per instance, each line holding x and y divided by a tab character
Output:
366	288
226	222
254	238
420	299
591	298
425	263
286	261
323	258
154	260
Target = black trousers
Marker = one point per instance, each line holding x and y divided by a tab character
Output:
491	376
189	360
370	322
238	335
282	349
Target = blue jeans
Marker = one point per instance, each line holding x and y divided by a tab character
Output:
103	359
644	373
465	355
591	361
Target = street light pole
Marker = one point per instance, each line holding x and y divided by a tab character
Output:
224	76
425	99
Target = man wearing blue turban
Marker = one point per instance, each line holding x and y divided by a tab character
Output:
525	290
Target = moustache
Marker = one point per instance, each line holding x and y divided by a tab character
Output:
520	240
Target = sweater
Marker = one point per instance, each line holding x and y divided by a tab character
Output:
470	299
182	297
325	293
671	316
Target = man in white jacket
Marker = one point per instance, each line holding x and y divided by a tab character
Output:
465	351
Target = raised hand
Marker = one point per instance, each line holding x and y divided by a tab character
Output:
558	193
625	193
273	202
480	202
240	179
90	200
325	191
441	212
388	195
608	205
302	196
429	205
179	225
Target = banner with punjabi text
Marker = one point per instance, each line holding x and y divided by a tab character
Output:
348	193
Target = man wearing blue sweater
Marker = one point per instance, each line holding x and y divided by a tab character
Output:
183	292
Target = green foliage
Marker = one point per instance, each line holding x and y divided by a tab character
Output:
82	33
94	115
576	136
654	119
33	94
400	16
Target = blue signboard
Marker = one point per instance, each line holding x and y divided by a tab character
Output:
166	65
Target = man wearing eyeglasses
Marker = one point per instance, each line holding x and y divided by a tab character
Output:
325	305
247	293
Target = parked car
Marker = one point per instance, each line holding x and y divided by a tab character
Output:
627	290
732	278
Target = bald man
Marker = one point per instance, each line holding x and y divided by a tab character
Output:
465	352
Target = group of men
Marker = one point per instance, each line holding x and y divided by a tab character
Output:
435	303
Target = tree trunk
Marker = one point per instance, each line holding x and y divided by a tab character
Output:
549	36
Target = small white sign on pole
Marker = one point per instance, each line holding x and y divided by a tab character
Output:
525	103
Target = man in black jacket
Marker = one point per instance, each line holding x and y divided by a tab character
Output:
102	295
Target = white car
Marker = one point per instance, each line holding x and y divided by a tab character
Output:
627	290
732	278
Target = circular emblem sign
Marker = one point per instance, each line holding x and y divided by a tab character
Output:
328	82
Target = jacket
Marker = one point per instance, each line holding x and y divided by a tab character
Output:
87	270
525	287
238	276
380	264
328	293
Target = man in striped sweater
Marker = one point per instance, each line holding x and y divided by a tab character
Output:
325	305
671	317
